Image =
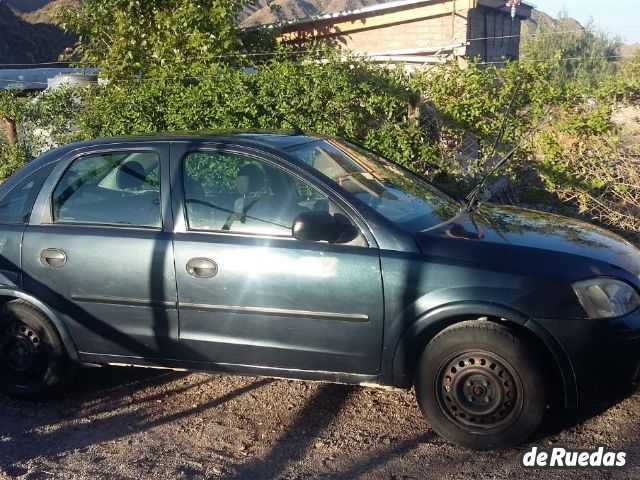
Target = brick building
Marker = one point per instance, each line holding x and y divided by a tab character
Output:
419	31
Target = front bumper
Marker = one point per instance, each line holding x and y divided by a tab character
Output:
599	359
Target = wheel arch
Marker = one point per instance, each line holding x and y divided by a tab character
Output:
8	294
415	338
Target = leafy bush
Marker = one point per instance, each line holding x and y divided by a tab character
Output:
338	96
569	150
12	158
577	54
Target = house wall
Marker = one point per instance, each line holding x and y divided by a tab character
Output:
433	24
418	28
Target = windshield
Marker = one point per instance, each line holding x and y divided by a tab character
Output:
389	189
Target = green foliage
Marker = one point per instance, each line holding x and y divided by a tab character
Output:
177	66
128	38
53	111
583	55
12	158
10	105
629	72
336	96
476	98
624	86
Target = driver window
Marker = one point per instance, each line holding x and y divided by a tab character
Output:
235	193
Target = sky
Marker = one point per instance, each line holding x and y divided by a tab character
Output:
619	17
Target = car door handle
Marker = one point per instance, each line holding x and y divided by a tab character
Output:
52	257
202	268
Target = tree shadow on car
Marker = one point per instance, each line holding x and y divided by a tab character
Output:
167	344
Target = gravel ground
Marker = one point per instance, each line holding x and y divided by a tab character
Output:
121	423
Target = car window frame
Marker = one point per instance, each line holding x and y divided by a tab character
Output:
44	202
275	161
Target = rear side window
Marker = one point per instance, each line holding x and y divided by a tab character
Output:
16	206
113	188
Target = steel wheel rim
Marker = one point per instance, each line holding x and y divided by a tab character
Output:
24	358
479	390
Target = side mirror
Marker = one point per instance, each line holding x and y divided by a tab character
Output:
322	226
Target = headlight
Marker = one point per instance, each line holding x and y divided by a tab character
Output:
606	297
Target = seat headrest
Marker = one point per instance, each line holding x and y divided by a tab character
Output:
131	175
193	188
255	175
281	184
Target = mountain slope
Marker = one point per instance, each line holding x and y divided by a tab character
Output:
538	17
262	12
28	32
24	42
27	5
49	12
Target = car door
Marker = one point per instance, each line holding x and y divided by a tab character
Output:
100	252
249	294
15	210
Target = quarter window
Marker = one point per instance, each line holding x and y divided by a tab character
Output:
228	192
117	188
16	206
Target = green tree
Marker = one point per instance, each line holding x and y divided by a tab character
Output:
127	38
582	54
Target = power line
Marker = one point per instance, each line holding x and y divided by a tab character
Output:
565	59
227	55
36	63
191	77
143	79
302	52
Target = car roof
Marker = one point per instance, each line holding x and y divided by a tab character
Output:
271	140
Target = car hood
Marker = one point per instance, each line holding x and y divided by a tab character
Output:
540	230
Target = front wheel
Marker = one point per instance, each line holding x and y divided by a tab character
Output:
33	361
480	387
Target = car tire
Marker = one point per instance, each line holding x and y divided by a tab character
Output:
33	361
480	387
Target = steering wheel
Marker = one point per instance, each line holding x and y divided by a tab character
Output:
207	204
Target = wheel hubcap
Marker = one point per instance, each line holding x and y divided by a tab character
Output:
478	389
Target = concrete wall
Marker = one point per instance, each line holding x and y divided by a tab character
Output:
420	27
427	25
424	33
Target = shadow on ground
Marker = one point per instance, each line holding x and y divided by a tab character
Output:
286	429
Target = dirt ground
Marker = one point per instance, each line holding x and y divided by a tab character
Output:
120	423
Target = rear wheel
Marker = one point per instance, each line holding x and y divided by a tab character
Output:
480	387
33	361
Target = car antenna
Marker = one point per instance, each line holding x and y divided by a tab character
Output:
473	198
296	128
